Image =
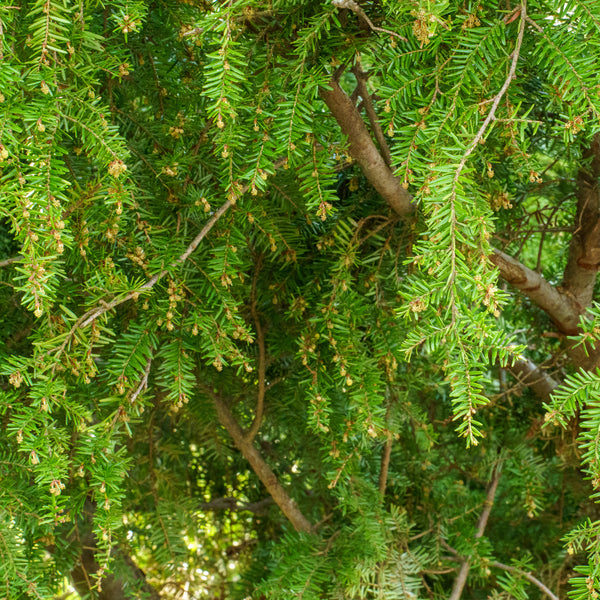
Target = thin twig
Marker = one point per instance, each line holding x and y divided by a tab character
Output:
260	340
527	576
461	578
385	464
143	382
94	313
498	96
387	452
355	8
91	315
499	565
361	84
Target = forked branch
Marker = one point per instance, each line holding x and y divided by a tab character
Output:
361	86
364	151
536	379
259	466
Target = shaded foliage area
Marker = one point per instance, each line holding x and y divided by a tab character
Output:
298	299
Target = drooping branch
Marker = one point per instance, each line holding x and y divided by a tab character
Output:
583	262
557	304
259	466
364	151
461	578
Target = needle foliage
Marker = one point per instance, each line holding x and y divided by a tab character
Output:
298	299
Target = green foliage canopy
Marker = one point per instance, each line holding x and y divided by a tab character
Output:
268	270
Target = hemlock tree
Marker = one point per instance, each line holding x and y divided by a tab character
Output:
298	299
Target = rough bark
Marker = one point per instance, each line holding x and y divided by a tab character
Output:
584	252
558	305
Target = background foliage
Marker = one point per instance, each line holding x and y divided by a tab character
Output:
298	299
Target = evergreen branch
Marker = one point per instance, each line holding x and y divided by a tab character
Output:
497	98
94	313
559	306
527	576
583	261
531	375
260	340
471	147
361	84
91	315
364	151
461	579
287	505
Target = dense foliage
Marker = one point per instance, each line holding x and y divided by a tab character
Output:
298	299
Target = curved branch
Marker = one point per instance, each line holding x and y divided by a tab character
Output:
364	151
259	466
527	576
557	304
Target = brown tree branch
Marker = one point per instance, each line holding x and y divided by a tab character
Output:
229	503
361	85
143	385
461	578
557	304
387	451
259	466
364	151
385	464
91	315
500	565
355	8
583	261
